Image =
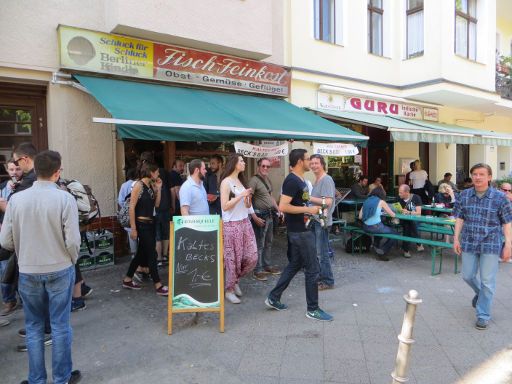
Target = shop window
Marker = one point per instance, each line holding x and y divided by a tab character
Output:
328	21
465	28
414	28
375	27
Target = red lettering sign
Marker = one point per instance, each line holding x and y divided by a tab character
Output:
355	103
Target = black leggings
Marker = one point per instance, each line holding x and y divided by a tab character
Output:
146	252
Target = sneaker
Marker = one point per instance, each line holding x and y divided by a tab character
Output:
238	291
231	297
407	254
323	286
473	301
76	375
4	322
420	248
378	251
261	276
481	324
319	315
163	290
273	270
86	290
137	276
131	285
9	308
22	332
23	347
275	304
77	304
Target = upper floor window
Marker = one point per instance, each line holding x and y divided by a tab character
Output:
375	26
414	28
328	21
465	28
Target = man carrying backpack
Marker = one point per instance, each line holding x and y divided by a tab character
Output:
41	225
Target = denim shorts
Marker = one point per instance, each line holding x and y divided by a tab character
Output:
162	225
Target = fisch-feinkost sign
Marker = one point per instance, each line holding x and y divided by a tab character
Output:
92	51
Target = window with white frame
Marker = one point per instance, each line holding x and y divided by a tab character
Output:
375	27
414	28
328	21
465	28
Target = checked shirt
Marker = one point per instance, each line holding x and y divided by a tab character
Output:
483	219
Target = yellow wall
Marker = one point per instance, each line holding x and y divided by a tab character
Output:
504	28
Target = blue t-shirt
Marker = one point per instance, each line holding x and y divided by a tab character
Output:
194	196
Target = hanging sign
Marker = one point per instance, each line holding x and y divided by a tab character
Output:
335	149
92	51
196	268
258	152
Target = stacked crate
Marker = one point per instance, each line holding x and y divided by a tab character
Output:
97	251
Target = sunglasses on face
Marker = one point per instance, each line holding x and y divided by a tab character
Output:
506	190
265	166
17	162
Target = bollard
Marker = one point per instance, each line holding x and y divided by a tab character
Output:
399	375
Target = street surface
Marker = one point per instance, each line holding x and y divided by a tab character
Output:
121	336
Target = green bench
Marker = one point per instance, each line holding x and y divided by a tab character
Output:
435	229
437	247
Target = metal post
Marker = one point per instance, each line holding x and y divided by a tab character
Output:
405	338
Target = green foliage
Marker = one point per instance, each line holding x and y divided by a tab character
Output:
507	179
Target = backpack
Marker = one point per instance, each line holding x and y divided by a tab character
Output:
123	214
352	244
88	207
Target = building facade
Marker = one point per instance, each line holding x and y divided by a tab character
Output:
374	65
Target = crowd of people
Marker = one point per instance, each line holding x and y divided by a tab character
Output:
40	231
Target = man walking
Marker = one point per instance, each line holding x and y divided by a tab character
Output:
212	184
301	240
323	197
483	216
262	220
192	193
41	226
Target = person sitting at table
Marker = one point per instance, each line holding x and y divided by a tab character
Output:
468	183
411	205
376	184
360	189
445	195
372	223
447	180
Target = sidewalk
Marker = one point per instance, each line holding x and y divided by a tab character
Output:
121	336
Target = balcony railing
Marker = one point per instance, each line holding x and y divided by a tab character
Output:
504	79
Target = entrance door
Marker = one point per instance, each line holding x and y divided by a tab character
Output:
22	118
379	152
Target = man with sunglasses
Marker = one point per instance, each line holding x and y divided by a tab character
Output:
506	188
264	206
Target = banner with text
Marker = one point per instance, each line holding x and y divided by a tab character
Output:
92	51
258	152
335	149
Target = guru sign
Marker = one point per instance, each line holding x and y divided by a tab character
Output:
383	108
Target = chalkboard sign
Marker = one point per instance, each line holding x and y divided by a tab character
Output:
196	268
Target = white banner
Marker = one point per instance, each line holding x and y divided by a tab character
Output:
335	149
258	152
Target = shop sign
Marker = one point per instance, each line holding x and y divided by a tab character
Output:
336	102
275	162
258	152
335	149
92	51
431	114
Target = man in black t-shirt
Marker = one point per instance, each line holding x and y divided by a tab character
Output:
411	204
175	182
301	240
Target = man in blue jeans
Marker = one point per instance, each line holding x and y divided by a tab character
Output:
301	240
483	216
41	226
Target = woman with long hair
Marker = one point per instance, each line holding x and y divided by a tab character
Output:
240	250
145	197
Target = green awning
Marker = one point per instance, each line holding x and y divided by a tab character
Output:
402	129
147	111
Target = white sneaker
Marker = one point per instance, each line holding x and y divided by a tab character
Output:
238	291
407	254
231	297
420	248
